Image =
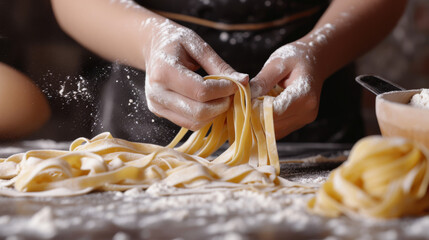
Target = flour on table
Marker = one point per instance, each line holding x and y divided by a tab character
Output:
10	148
42	223
212	215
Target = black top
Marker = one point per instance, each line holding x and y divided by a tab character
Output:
246	51
114	98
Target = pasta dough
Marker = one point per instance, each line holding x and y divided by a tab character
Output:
106	163
383	178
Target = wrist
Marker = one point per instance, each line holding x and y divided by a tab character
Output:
318	54
146	34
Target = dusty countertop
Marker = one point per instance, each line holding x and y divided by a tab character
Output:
137	214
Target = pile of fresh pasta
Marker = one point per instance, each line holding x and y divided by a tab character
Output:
382	178
106	163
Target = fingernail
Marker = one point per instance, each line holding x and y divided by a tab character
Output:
255	89
240	76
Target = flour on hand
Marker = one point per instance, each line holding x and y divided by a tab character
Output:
297	89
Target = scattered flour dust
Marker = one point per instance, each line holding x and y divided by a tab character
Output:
68	88
213	215
74	88
68	93
421	100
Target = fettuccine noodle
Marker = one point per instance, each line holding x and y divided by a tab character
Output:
106	163
383	178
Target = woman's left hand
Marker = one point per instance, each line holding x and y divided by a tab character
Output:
292	67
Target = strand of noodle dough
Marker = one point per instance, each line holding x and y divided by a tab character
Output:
106	163
383	178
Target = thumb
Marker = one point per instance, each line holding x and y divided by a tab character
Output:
211	62
274	70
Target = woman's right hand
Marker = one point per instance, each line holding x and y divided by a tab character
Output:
173	90
126	32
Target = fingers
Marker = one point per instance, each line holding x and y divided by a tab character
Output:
211	62
295	118
177	93
277	67
293	111
297	90
171	74
181	110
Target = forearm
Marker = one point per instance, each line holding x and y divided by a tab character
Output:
111	29
348	29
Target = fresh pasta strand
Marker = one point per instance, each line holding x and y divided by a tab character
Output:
105	163
383	178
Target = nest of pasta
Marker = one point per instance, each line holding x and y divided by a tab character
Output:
383	178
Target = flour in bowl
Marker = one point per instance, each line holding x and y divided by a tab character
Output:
421	100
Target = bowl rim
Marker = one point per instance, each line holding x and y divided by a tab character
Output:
382	97
399	112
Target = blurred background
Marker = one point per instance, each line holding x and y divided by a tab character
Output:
70	76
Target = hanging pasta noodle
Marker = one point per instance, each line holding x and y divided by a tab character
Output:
106	163
383	178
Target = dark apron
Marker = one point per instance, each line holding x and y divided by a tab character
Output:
123	109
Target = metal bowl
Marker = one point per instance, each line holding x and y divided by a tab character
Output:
397	118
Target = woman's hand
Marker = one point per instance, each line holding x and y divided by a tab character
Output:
169	53
173	90
291	67
114	30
